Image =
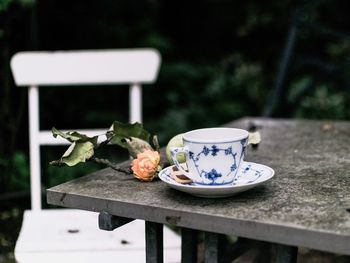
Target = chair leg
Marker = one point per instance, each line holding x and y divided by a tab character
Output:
135	100
35	177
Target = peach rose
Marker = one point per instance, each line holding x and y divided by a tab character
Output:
146	164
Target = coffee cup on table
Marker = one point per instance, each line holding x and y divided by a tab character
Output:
213	155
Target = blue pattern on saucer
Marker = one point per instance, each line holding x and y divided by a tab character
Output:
248	176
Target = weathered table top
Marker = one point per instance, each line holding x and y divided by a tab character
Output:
307	203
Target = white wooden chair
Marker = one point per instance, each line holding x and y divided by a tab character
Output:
50	235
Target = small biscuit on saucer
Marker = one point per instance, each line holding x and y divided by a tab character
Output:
179	177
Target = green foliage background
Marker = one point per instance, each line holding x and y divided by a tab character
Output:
219	63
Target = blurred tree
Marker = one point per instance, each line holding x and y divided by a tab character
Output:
313	72
219	62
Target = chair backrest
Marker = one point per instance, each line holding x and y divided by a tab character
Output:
90	67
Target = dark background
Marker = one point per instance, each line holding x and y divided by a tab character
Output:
220	61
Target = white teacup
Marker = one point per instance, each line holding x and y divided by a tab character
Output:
213	155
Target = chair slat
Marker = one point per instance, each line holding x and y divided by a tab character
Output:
85	67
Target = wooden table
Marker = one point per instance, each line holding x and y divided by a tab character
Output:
306	204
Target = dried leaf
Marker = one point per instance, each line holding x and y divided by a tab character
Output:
254	138
156	143
122	131
77	152
74	136
136	146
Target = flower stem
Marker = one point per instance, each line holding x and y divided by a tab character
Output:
111	165
104	142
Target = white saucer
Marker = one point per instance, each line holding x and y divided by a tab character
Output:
249	175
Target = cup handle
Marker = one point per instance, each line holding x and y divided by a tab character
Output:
174	152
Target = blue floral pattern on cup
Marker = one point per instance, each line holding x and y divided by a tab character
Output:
213	151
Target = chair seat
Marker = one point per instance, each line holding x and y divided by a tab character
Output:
55	235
